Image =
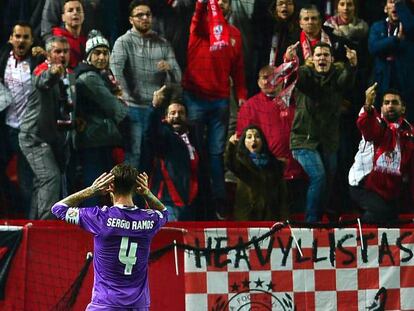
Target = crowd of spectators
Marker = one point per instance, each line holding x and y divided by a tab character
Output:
236	109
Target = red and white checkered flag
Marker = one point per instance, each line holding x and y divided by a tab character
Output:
236	270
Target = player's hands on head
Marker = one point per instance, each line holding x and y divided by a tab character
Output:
103	184
142	184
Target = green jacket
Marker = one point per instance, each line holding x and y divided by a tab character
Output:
318	101
101	110
260	193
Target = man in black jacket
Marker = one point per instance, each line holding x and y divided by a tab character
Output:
46	128
174	178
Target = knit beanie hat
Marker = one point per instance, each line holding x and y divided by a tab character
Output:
95	39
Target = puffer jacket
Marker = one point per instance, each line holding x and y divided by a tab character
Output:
101	110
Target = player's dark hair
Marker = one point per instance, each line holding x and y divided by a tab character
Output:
125	179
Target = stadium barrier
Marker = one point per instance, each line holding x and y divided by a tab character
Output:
220	266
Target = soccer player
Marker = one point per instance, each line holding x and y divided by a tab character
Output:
122	237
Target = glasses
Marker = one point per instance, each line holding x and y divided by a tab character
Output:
141	15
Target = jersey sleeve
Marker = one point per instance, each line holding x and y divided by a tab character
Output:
92	219
160	218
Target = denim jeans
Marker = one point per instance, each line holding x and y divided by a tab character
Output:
316	167
211	116
139	119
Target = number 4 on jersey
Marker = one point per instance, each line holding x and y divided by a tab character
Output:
128	260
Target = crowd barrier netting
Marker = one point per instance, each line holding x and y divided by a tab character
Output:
222	266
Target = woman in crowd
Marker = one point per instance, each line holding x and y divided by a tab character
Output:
345	23
277	28
260	193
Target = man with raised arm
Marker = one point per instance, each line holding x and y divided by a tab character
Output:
46	128
215	58
18	59
384	168
175	172
314	138
122	237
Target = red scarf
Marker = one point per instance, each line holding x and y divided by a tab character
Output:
287	75
307	44
387	157
219	29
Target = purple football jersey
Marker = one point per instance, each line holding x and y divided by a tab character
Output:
122	238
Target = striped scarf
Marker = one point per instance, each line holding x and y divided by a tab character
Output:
286	76
219	29
387	157
308	44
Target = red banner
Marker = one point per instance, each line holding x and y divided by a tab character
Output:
10	237
302	269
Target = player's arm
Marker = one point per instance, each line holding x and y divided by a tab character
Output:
100	186
145	192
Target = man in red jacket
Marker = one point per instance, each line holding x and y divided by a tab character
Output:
380	192
214	57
